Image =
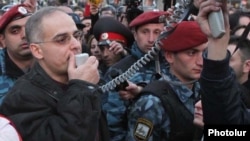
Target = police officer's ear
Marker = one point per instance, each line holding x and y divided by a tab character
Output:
169	56
133	30
247	66
36	50
2	44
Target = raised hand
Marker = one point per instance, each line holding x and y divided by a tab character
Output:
216	47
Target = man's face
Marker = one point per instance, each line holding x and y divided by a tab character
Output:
15	40
109	57
187	65
146	35
60	39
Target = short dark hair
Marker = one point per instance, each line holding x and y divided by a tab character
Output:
242	44
233	31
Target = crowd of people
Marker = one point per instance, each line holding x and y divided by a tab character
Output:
188	79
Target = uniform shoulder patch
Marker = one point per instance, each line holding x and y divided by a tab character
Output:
143	129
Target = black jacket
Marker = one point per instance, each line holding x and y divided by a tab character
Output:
221	94
43	111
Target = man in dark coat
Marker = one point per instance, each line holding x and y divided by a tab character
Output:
56	101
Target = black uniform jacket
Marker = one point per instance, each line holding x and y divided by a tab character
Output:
42	111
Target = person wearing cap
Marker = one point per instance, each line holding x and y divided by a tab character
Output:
74	16
56	100
77	21
146	28
79	11
114	40
16	58
164	109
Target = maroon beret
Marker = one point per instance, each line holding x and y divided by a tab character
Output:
186	35
149	17
14	13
